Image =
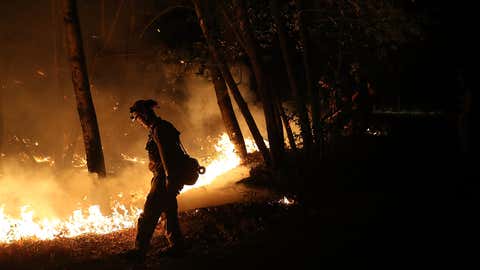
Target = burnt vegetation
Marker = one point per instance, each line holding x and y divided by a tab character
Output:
367	108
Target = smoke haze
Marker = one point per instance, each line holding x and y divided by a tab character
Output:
38	113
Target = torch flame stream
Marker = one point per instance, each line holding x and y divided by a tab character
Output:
91	219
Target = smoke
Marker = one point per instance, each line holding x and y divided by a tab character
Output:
39	118
41	127
52	193
57	194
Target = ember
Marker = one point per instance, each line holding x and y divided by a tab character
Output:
133	159
46	159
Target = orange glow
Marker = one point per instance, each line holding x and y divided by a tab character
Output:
92	219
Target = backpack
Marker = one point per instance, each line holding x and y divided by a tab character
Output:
190	169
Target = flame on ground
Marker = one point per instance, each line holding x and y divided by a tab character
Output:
133	159
91	220
46	159
225	160
286	201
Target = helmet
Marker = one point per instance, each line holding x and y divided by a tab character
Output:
142	106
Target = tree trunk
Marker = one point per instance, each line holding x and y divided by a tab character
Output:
81	87
313	93
4	83
269	107
278	120
288	129
305	130
59	94
2	88
231	27
103	31
228	115
219	60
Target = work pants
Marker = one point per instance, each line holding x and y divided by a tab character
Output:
162	198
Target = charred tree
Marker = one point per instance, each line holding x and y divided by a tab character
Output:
313	93
267	95
81	87
305	130
288	129
228	115
222	66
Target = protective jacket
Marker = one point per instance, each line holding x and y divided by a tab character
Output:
164	149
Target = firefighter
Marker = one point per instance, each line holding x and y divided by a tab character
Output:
164	150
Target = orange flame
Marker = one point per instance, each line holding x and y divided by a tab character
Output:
91	219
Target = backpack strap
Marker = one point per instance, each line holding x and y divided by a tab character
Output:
183	148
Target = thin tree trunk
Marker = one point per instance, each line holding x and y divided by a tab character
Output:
253	51
1	117
288	129
278	120
219	60
228	115
128	77
305	130
313	93
106	39
81	87
103	31
231	27
3	87
59	94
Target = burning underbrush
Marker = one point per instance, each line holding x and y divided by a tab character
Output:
44	204
207	230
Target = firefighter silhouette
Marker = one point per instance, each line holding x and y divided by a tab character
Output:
164	149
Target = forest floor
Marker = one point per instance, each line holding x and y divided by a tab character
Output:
259	234
386	203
